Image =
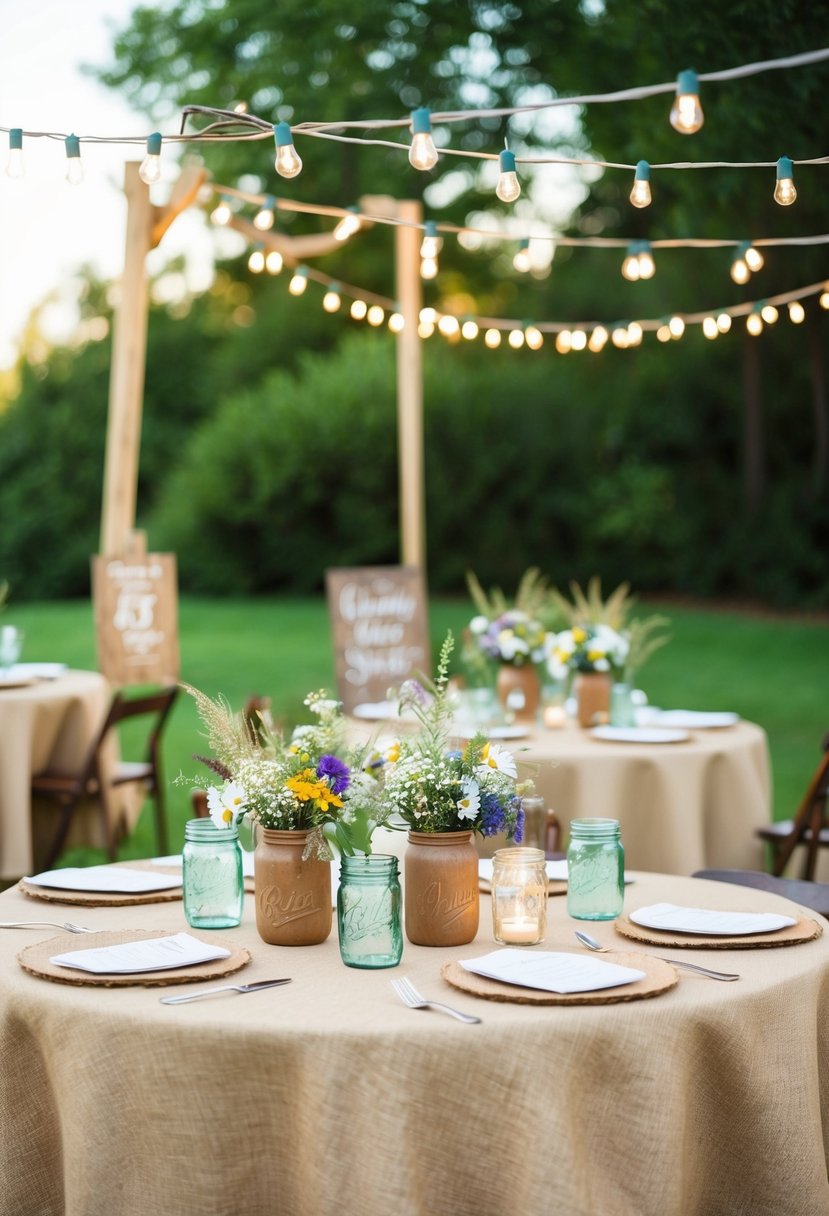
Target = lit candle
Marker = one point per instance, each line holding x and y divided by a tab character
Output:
554	717
519	930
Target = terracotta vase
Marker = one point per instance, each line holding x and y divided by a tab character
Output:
440	888
522	680
292	896
592	692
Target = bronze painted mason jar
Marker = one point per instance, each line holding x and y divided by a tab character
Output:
292	895
440	888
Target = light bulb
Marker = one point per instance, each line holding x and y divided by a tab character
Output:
647	266
425	329
431	244
359	308
686	112
740	272
256	261
769	314
273	261
754	258
534	337
448	326
375	315
597	339
784	191
578	339
150	170
429	268
287	162
428	316
823	299
470	330
724	322
263	220
331	300
348	225
709	327
564	342
221	213
509	187
676	327
422	154
492	338
640	195
299	282
797	313
74	168
516	338
754	324
630	265
620	339
635	333
521	261
396	322
14	165
663	334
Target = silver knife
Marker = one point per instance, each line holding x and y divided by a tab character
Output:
197	996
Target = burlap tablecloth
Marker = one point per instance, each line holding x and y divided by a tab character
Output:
329	1096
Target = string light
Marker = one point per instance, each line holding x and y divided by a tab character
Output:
264	218
709	328
470	329
640	195
449	326
287	162
647	266
397	322
509	187
754	258
740	270
422	154
15	167
375	315
492	339
273	261
769	314
150	168
350	224
221	213
521	261
663	334
676	327
823	299
784	191
630	264
430	247
797	313
74	168
534	337
331	301
686	113
256	261
723	322
578	339
516	338
638	262
598	339
564	342
299	281
754	323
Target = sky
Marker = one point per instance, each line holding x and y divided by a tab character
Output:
47	227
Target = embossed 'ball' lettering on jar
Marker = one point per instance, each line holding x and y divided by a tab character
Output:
440	889
292	894
368	912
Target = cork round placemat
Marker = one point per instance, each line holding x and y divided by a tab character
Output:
35	960
803	930
659	977
104	899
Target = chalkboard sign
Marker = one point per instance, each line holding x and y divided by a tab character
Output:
378	624
136	618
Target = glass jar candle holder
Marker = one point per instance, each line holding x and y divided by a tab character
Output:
368	912
519	896
595	870
212	875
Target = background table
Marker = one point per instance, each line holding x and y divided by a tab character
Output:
50	723
327	1095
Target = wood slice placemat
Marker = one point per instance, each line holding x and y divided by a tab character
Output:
659	977
554	886
803	930
35	960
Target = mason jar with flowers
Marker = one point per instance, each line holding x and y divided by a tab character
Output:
301	795
444	794
592	653
516	642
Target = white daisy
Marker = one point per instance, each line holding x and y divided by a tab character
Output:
225	805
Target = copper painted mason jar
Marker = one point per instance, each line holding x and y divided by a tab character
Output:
292	895
440	888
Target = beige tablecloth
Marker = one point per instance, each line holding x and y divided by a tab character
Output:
49	724
328	1096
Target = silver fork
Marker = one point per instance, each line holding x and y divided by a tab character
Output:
410	996
24	924
257	986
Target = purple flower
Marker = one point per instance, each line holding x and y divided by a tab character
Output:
340	774
518	834
492	814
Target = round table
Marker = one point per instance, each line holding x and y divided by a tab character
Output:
327	1095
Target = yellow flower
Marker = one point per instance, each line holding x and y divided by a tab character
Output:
308	787
579	634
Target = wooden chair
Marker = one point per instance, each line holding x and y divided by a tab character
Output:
198	799
255	709
809	826
814	895
93	780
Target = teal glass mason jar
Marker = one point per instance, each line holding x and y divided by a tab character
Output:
595	870
212	875
368	912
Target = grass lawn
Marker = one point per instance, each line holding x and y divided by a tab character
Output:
773	670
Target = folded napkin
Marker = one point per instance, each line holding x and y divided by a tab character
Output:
708	921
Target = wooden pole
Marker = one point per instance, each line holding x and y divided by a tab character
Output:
410	387
126	382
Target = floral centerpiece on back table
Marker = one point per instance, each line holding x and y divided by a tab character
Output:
444	794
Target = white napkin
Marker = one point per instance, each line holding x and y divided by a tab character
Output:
675	919
551	971
174	859
104	878
155	954
556	870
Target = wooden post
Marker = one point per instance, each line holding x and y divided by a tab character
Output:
410	387
126	382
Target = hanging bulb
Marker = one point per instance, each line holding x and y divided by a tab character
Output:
578	339
221	213
663	333
375	315
470	329
797	313
74	168
676	327
348	225
724	322
150	170
264	218
640	195
396	322
299	282
564	342
359	308
635	334
431	244
534	337
429	268
331	300
14	165
287	162
492	339
754	258
256	261
521	261
754	324
597	339
273	261
422	154
784	191
769	314
647	266
630	265
740	270
710	328
686	112
509	187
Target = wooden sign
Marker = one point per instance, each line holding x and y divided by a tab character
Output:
378	625
136	618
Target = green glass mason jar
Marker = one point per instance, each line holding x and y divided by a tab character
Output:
212	875
595	870
368	912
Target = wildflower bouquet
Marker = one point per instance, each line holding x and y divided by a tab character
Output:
434	788
313	782
588	612
586	648
505	633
